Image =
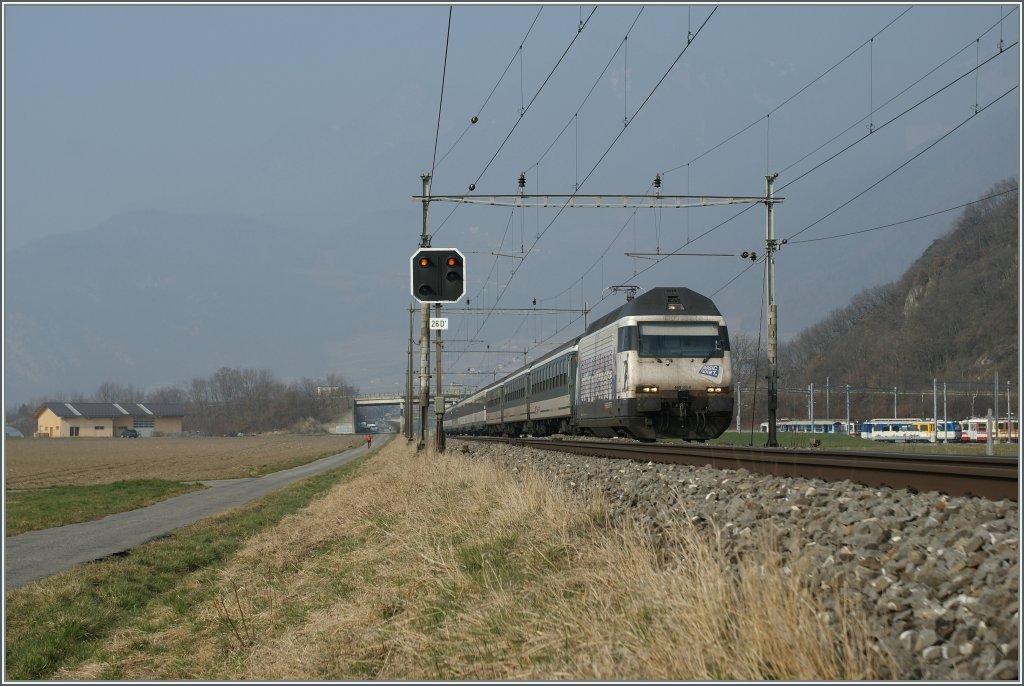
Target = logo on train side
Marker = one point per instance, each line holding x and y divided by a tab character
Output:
710	370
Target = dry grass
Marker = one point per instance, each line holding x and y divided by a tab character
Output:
41	463
437	567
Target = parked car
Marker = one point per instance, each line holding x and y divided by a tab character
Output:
129	433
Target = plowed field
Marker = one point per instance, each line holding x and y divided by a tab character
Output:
39	463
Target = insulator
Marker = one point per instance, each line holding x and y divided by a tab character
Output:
522	179
657	180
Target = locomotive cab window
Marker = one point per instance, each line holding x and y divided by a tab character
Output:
627	338
683	339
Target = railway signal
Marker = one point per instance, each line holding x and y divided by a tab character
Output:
437	275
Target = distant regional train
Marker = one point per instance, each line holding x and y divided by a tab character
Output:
658	366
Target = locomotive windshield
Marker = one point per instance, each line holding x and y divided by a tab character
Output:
680	339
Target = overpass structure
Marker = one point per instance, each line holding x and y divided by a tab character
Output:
365	405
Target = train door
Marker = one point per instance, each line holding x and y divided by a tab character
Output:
573	363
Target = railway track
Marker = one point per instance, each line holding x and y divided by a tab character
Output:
987	477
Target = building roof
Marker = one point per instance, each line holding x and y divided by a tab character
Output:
72	410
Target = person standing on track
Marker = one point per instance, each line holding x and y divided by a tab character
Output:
369	439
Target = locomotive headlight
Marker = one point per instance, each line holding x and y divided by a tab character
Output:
648	389
712	389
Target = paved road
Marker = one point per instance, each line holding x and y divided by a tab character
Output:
35	555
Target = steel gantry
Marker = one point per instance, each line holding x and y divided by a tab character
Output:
667	202
647	201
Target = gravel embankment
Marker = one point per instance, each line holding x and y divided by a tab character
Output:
940	574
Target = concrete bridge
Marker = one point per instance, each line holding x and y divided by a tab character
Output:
361	403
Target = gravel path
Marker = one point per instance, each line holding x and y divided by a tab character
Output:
939	575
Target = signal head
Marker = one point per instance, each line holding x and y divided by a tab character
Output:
438	275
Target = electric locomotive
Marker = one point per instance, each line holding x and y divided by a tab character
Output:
657	366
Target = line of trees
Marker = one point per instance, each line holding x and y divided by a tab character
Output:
228	401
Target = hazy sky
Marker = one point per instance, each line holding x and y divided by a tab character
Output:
323	117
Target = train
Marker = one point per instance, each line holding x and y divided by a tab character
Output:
658	366
910	430
975	430
827	426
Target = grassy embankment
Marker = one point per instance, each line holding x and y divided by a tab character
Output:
843	442
420	566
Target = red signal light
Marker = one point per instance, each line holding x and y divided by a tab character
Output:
424	262
452	261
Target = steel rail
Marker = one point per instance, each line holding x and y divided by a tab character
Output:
993	478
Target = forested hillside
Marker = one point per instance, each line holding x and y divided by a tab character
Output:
953	316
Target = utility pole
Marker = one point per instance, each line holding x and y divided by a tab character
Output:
424	328
439	395
408	387
770	246
935	410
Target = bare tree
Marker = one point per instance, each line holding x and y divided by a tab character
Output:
168	394
109	392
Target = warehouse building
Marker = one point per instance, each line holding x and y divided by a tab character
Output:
92	420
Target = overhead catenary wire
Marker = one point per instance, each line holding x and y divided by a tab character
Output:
873	185
791	97
444	72
534	98
894	97
898	116
574	118
589	93
605	154
904	164
904	221
480	111
523	110
834	156
497	83
690	37
950	209
570	121
602	157
871	112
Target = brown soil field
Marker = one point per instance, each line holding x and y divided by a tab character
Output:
44	462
